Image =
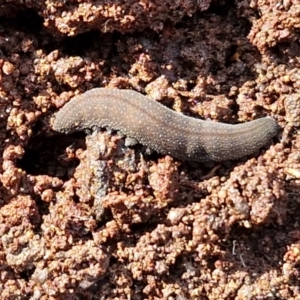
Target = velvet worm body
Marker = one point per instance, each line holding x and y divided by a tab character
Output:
161	128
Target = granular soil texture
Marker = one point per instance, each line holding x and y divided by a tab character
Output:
82	216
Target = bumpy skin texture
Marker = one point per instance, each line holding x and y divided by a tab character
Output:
162	129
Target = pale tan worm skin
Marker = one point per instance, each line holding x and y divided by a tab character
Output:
161	128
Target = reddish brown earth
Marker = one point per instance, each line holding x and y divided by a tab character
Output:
84	217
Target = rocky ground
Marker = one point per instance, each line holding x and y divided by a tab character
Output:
83	216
